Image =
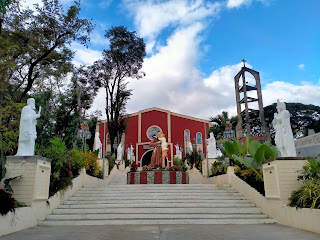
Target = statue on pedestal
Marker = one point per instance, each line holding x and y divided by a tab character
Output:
120	149
178	151
98	144
156	159
211	146
129	152
27	130
284	137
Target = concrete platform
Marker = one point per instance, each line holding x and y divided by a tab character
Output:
164	232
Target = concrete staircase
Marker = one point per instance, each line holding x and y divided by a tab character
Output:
115	204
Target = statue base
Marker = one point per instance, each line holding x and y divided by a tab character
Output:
280	177
35	177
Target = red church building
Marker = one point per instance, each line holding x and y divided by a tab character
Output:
141	126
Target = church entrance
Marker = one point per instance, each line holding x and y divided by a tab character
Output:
146	158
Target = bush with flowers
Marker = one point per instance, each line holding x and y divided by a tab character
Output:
133	167
91	164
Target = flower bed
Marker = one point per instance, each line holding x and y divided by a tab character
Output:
158	177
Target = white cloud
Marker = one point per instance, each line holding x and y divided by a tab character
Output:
239	3
173	80
305	93
152	17
301	66
84	56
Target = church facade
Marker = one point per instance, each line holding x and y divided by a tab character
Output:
180	130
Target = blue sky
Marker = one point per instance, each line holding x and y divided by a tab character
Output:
195	48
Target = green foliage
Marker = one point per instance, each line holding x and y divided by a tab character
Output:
308	195
111	161
91	165
218	168
179	162
7	202
3	5
123	60
62	162
258	153
219	124
311	170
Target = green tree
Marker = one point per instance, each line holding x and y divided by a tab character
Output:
3	9
43	37
219	124
121	61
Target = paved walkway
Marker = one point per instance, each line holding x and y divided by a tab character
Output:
119	179
165	232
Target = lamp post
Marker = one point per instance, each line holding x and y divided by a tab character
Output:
84	134
194	147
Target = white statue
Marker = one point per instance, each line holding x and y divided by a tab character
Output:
27	130
120	149
178	151
130	153
284	137
98	144
211	146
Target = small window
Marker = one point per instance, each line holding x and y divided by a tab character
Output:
186	135
199	138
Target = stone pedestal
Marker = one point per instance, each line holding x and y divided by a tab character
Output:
35	180
121	165
207	163
105	167
280	177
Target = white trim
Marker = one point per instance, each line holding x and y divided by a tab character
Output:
151	127
140	160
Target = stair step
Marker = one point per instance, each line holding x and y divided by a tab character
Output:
235	210
149	197
155	221
127	216
159	205
147	201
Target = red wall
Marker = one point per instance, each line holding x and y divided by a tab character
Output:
158	118
179	124
153	118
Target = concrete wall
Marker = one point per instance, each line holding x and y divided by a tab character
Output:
305	218
27	217
308	140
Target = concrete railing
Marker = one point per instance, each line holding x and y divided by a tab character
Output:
305	218
26	217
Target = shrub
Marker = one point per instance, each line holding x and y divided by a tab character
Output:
179	162
133	167
7	202
111	161
75	158
308	195
91	164
218	168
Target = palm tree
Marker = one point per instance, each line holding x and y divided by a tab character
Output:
219	124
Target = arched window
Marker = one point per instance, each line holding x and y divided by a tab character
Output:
186	135
199	138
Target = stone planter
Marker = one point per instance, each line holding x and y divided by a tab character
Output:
158	177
